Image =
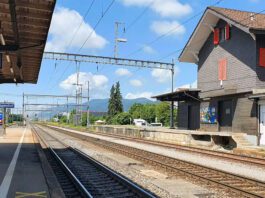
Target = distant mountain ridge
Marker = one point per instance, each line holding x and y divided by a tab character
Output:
101	105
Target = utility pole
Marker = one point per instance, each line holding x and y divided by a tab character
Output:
172	102
87	117
118	40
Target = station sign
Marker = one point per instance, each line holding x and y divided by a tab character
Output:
7	105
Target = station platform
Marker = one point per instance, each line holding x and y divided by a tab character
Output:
21	173
178	136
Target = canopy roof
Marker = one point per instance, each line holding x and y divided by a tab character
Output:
181	94
247	21
24	26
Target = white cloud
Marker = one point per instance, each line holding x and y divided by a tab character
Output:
165	8
139	95
123	72
192	85
167	27
161	75
136	83
65	23
148	49
97	84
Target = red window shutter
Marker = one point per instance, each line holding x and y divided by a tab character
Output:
227	32
216	36
262	57
222	69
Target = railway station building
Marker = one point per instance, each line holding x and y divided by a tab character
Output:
228	46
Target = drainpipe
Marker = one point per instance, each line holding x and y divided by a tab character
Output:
258	121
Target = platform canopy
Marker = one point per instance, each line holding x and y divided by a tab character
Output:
24	26
181	94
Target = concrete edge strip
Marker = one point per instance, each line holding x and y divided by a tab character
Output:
55	189
4	188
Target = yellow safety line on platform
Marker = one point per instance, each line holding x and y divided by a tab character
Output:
36	194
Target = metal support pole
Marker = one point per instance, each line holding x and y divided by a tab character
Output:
87	117
23	110
172	102
4	124
68	116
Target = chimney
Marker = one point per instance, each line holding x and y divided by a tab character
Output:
252	17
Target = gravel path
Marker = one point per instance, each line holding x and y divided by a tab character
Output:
250	171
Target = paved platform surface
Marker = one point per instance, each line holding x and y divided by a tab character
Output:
21	174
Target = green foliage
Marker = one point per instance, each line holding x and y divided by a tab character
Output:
14	118
123	118
136	110
146	112
115	102
118	99
63	119
111	106
152	112
163	113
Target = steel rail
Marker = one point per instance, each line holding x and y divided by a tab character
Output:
75	180
130	185
142	156
218	154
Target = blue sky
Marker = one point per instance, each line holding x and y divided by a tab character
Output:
159	17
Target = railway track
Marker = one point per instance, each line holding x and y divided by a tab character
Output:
82	176
235	185
218	154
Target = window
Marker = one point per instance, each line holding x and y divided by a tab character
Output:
227	32
222	63
262	57
222	35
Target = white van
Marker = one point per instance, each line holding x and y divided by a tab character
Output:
139	122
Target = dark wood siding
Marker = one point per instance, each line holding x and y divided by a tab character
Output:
244	114
182	115
189	115
240	52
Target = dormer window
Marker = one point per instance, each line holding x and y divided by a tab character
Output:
221	34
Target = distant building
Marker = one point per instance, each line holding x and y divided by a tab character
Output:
100	122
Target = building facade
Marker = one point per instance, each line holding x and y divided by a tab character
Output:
229	48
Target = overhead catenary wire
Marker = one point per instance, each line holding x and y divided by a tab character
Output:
96	25
138	17
180	49
75	33
80	25
89	35
171	30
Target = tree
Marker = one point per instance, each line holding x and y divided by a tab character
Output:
122	118
115	102
163	113
111	106
136	110
118	98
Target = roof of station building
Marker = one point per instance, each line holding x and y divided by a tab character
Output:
249	22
